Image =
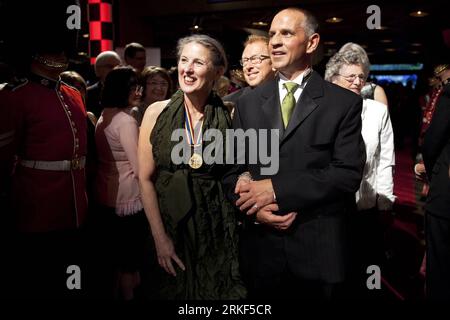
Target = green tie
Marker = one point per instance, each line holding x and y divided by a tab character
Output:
288	104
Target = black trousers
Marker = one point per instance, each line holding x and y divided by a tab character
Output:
286	286
278	282
438	257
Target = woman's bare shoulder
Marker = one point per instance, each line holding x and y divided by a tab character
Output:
154	110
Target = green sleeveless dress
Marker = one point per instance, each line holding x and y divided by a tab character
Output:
196	214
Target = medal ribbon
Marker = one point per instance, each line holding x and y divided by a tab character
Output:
190	131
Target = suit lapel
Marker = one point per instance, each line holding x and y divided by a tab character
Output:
271	105
306	104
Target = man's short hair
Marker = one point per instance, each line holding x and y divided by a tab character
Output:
310	24
132	48
256	38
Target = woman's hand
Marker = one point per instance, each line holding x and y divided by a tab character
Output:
243	179
166	252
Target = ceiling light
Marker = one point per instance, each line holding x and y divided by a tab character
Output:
390	49
329	43
418	14
86	35
260	23
386	41
416	44
334	20
414	52
196	28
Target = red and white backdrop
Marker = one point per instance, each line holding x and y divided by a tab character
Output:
101	31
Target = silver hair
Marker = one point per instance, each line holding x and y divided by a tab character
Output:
363	54
218	55
340	59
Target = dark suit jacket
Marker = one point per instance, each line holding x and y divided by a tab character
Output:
233	97
321	161
93	97
436	156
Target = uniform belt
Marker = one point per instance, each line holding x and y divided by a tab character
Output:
62	165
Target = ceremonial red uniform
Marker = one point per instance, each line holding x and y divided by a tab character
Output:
48	191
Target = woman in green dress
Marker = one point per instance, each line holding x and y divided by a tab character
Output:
193	225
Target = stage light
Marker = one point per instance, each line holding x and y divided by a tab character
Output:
418	14
334	20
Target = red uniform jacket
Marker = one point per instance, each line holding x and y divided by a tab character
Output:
50	125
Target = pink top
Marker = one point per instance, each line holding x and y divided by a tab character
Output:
116	137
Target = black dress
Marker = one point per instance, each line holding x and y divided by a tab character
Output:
196	214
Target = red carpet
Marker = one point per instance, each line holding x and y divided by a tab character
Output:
404	181
404	242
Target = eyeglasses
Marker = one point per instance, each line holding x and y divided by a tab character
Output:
352	77
138	90
256	59
163	84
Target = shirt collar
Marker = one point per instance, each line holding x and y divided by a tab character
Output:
300	80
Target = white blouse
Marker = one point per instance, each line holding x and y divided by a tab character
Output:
377	185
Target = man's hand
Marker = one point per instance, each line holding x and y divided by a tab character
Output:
420	172
255	195
265	216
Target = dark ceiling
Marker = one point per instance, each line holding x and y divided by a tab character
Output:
403	38
160	23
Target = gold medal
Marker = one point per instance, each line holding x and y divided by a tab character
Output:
195	161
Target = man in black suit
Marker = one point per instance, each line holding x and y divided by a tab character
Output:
295	245
104	63
135	56
256	65
436	156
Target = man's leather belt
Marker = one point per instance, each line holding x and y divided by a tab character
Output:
62	165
